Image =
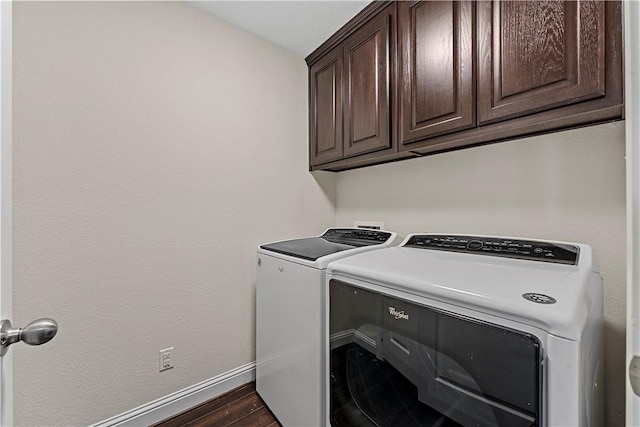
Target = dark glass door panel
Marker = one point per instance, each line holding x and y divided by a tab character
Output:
499	362
396	363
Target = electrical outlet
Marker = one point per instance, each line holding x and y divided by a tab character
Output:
166	359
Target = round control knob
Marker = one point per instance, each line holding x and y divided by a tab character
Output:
474	245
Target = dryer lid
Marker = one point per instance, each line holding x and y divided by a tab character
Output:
556	297
334	240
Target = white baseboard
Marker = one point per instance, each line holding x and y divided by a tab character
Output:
182	400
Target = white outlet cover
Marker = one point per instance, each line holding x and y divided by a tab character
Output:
166	359
374	225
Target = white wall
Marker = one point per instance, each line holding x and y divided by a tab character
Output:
563	186
154	148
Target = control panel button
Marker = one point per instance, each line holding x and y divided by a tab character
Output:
474	245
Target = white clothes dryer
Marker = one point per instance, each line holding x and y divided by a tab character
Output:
290	319
465	330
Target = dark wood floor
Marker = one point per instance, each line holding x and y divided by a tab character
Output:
241	407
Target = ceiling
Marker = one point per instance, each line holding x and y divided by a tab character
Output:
297	26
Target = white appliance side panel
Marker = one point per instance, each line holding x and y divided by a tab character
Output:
289	319
592	357
563	387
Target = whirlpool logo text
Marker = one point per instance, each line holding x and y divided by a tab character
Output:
398	314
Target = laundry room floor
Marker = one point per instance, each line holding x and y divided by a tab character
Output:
241	407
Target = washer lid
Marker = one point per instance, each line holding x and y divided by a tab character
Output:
334	240
557	298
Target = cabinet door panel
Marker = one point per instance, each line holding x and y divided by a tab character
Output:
538	55
436	62
366	80
325	119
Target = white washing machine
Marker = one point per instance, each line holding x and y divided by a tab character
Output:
465	330
290	319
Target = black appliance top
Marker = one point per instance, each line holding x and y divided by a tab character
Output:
558	253
332	241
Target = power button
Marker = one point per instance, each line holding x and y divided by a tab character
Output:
474	245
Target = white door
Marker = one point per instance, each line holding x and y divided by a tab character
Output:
632	114
39	331
6	377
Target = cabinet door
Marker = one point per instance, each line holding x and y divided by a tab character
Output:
437	88
325	105
367	56
538	55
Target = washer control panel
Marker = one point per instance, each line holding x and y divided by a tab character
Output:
499	246
357	236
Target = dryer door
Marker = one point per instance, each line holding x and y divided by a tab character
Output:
394	362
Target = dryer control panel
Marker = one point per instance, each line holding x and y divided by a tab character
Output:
499	246
357	237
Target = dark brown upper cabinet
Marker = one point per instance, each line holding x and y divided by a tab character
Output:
350	93
325	114
366	85
538	55
437	73
468	73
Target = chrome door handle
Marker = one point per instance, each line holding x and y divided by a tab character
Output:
35	333
634	375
